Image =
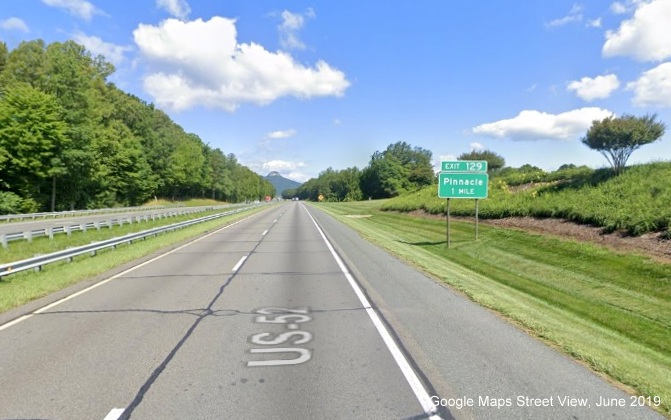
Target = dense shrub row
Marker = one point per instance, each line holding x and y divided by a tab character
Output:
637	201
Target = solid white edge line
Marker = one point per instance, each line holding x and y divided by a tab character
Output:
410	375
237	266
114	414
81	292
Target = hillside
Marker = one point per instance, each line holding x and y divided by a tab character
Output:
281	183
635	202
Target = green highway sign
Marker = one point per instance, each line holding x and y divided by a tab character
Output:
464	166
462	185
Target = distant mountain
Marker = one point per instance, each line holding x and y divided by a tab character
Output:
281	183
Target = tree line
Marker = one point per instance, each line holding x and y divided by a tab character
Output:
399	169
69	139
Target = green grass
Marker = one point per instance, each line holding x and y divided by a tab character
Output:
20	288
636	201
610	310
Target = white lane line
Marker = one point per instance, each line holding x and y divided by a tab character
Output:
264	232
410	375
237	266
81	292
274	221
114	414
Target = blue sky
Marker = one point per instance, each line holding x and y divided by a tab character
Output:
298	86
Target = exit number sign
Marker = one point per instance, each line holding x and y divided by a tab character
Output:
464	166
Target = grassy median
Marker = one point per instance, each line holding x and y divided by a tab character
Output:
20	288
607	309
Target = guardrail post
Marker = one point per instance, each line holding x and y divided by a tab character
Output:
28	236
3	238
109	224
94	252
50	232
83	227
68	230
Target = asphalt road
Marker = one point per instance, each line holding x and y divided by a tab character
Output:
275	317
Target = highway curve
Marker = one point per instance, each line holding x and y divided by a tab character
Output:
285	314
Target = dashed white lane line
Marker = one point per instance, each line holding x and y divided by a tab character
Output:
410	375
264	232
81	292
114	414
237	266
274	221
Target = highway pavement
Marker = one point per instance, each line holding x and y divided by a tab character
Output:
286	314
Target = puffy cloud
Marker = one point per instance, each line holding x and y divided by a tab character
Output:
574	15
14	24
477	146
112	52
177	8
281	134
79	8
600	87
201	63
618	8
288	29
535	125
282	166
646	36
594	23
653	88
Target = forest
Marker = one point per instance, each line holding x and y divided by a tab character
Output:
70	139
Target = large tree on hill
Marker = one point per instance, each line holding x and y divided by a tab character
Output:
399	169
494	161
616	138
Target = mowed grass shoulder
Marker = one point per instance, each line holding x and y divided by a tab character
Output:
609	310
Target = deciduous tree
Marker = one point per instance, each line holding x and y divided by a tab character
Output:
616	138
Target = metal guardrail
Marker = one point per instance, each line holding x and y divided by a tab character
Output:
50	231
37	262
75	213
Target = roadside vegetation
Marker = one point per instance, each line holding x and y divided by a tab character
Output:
70	139
21	288
636	201
607	309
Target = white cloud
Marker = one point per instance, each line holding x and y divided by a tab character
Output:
281	134
594	23
14	24
574	15
646	36
112	52
201	63
282	166
79	8
177	8
600	87
288	29
653	88
337	122
477	146
618	8
536	125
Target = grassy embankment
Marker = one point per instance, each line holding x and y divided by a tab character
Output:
638	201
609	310
20	288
